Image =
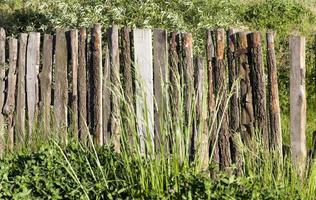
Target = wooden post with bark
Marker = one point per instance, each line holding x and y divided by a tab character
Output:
273	94
298	101
32	88
20	98
82	87
96	87
115	86
247	116
211	104
61	84
2	87
258	86
221	91
9	106
160	78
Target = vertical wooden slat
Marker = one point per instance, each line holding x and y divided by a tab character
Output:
273	93
210	54
97	84
144	85
106	95
9	106
45	78
188	74
202	143
247	117
160	77
234	110
298	101
2	85
61	84
82	86
20	99
221	90
74	79
258	86
115	81
127	81
32	69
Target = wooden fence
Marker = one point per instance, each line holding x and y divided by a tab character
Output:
72	78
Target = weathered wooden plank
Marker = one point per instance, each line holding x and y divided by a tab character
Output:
61	84
273	93
9	106
247	117
258	86
96	87
127	81
201	146
144	85
298	101
74	80
234	110
211	108
82	86
115	80
45	78
20	98
32	70
221	90
160	77
188	75
174	74
2	85
106	97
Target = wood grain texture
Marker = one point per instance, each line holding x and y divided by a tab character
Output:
45	78
9	106
247	116
82	87
74	80
160	50
61	84
201	135
298	101
144	85
273	94
115	81
32	88
106	97
2	86
211	105
258	86
96	87
21	97
221	90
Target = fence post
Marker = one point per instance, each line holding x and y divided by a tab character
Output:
221	90
106	97
9	106
160	78
258	86
2	86
144	103
74	80
82	86
32	70
115	82
96	87
298	101
20	98
274	107
247	116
